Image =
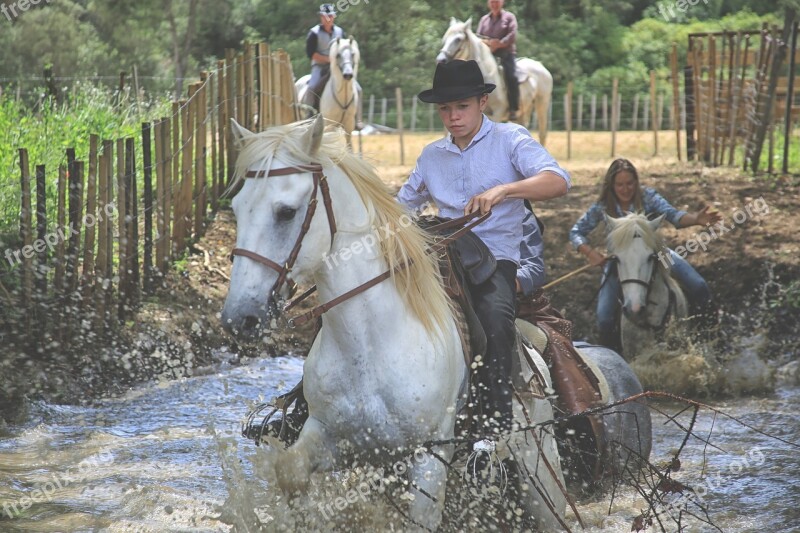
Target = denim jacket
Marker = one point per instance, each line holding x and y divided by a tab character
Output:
654	205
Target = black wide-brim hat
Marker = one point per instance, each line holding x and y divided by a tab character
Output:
456	80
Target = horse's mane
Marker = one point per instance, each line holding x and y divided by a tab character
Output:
402	243
478	50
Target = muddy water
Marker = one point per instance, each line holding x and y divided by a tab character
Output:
168	457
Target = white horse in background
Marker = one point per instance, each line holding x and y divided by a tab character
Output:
386	373
650	296
340	99
535	86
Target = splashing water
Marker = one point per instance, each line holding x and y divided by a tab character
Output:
168	457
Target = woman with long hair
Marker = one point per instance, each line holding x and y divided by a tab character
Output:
621	194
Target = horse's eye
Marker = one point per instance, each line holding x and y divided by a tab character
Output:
285	213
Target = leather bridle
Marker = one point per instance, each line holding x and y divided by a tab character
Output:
648	285
321	184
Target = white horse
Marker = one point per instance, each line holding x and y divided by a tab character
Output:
650	296
386	372
535	86
339	101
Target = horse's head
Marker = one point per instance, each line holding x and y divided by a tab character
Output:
278	236
455	42
635	242
345	55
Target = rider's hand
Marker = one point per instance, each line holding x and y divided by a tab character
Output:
595	258
486	200
707	215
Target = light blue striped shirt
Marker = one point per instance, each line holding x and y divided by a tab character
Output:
498	154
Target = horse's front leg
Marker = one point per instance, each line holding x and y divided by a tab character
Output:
428	477
312	451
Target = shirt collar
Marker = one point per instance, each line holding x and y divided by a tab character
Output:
486	126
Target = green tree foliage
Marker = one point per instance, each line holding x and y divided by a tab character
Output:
586	41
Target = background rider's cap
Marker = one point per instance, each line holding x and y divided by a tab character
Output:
456	80
327	9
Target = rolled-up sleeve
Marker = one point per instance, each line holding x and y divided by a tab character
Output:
414	194
531	271
579	234
658	205
530	158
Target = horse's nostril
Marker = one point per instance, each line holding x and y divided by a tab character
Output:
348	76
250	323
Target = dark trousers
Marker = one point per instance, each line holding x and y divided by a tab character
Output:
494	302
509	62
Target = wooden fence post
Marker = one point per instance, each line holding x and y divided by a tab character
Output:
104	240
132	219
371	113
654	111
787	128
147	162
676	95
399	96
89	236
222	124
568	118
61	222
41	231
614	89
122	239
26	235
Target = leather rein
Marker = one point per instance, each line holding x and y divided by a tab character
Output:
321	184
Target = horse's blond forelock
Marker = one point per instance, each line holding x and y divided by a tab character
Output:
419	283
625	229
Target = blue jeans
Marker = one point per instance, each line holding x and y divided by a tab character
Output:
608	299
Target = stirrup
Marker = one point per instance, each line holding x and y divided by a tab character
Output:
485	468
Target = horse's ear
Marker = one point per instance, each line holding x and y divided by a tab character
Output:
314	136
453	21
468	23
239	131
655	224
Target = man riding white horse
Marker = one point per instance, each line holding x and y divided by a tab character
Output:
318	44
498	29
